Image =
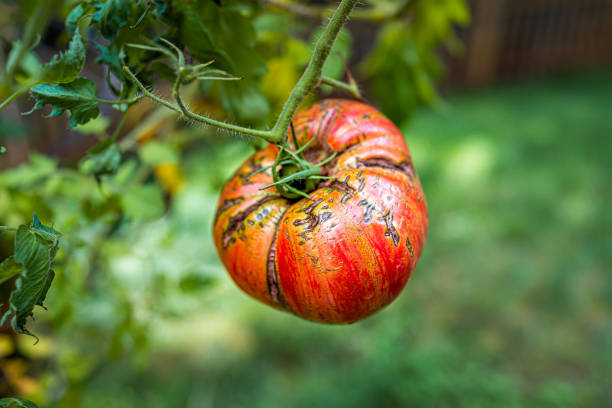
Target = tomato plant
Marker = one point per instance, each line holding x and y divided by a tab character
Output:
125	165
346	250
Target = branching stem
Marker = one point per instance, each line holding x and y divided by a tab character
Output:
350	89
311	78
266	135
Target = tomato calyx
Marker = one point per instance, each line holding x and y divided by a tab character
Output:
294	176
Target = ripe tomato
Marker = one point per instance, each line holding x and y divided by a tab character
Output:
348	251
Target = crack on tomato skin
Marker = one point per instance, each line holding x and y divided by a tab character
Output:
271	272
367	216
376	181
343	187
226	205
324	216
236	222
361	181
391	231
403	167
311	219
313	259
410	249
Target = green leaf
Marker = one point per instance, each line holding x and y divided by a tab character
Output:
244	101
75	15
144	202
28	174
97	126
8	269
66	67
110	58
154	153
103	159
227	35
78	97
28	64
16	403
2	149
111	16
35	248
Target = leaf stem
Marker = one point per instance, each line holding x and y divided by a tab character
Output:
119	102
15	95
8	229
311	78
350	89
119	126
182	109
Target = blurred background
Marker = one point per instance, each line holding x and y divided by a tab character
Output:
506	108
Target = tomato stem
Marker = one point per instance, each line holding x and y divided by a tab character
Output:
314	71
351	89
311	78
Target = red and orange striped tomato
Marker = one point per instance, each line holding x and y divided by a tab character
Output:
348	251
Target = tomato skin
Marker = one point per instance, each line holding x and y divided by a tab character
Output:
348	251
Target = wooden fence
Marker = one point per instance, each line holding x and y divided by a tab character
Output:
517	38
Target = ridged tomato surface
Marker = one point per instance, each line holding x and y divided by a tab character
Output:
348	251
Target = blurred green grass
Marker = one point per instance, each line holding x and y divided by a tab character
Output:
510	305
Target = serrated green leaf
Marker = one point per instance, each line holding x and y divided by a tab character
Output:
35	248
65	67
2	149
154	153
8	269
144	202
111	16
75	15
103	159
49	233
78	97
16	403
111	58
227	35
108	57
